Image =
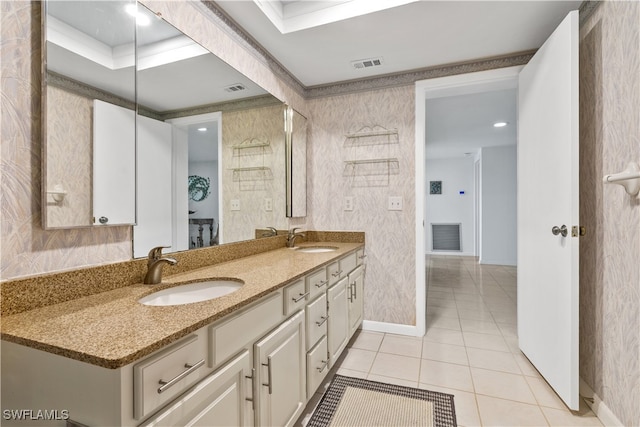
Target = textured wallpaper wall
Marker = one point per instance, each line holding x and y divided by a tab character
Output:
609	253
390	235
27	249
242	132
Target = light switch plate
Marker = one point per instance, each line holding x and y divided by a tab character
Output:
268	204
235	204
395	203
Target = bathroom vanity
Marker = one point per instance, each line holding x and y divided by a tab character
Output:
252	357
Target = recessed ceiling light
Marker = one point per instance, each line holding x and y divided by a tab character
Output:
499	124
202	129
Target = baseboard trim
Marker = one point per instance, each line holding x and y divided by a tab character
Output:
602	411
391	328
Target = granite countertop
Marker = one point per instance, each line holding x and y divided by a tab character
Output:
112	329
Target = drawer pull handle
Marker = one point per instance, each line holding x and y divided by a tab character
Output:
269	382
164	385
300	298
324	366
363	256
321	284
336	273
322	320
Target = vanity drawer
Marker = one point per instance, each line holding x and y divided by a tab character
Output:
242	329
316	320
317	366
161	377
341	268
295	297
317	282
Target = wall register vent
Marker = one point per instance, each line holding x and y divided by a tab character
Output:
446	237
235	87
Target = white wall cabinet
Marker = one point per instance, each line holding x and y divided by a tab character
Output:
281	374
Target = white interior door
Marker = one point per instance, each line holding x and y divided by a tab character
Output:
548	197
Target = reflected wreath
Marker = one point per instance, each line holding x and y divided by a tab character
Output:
198	188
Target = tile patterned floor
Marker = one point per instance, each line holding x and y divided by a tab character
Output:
470	350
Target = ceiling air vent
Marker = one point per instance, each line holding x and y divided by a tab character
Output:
236	87
366	63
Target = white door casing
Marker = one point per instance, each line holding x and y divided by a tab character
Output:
548	197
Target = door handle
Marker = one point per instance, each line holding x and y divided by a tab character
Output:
560	230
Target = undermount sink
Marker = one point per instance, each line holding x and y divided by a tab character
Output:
316	249
192	292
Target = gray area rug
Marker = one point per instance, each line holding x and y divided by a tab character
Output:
354	402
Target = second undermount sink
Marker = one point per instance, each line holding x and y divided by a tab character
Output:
192	292
316	249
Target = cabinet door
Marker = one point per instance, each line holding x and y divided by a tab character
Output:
219	400
338	323
356	299
281	374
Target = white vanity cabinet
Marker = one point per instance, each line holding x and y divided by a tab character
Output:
356	298
257	366
220	400
281	374
338	323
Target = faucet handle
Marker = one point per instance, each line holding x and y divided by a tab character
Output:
156	253
293	231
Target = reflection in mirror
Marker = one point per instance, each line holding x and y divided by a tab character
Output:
296	164
210	147
88	94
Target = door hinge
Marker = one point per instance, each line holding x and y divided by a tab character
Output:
578	231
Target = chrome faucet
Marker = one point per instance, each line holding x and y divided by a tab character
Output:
154	265
270	233
292	236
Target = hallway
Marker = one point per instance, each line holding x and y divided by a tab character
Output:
470	350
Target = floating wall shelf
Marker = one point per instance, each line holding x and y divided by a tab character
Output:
252	174
371	167
372	135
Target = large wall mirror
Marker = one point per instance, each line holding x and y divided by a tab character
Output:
209	142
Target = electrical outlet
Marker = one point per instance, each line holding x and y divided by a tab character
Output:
395	203
268	204
348	203
235	204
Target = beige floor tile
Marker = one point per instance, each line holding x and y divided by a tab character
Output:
352	373
404	346
367	340
493	360
479	326
508	317
444	336
444	353
484	315
471	305
440	289
436	321
565	418
508	330
440	294
544	393
464	402
500	412
443	311
525	366
393	365
391	380
440	302
358	360
446	375
502	385
485	341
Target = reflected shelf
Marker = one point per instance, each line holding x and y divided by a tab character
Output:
372	135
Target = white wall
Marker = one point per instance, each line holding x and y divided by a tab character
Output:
456	174
498	205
